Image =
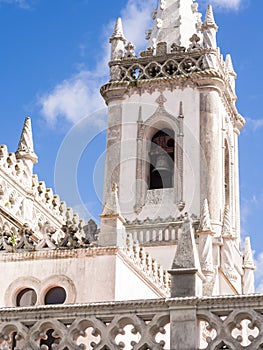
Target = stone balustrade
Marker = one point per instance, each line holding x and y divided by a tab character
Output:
228	322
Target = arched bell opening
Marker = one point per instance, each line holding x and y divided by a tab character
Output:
161	158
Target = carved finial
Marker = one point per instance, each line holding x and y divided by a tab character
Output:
161	100
117	41
25	149
209	28
195	43
118	31
209	21
112	207
130	50
205	222
248	255
186	255
229	65
249	267
227	229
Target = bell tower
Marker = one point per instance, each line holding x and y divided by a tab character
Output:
172	142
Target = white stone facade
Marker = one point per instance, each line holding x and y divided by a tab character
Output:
170	222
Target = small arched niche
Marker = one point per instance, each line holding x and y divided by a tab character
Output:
161	157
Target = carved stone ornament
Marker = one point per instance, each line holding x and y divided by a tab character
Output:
195	43
154	197
130	50
91	232
24	239
177	48
69	240
148	34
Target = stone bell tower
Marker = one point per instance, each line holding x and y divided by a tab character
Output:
172	142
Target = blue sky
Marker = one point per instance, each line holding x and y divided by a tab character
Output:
54	59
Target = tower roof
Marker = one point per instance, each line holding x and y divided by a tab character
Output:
175	22
25	149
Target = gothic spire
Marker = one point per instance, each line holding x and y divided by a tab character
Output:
249	267
248	255
112	230
117	41
186	255
25	149
209	28
118	31
229	65
175	23
209	18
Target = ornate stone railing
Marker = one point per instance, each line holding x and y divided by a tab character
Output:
233	322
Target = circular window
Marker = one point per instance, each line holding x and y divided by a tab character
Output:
56	295
27	297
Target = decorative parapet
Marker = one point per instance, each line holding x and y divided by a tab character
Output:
196	65
180	63
71	235
224	322
24	200
140	258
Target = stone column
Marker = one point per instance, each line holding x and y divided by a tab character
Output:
113	150
211	155
184	328
112	229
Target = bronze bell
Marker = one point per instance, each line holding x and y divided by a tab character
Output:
164	165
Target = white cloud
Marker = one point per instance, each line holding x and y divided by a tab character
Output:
78	96
73	98
136	19
254	124
25	4
224	4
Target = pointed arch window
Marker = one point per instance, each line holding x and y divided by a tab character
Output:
161	157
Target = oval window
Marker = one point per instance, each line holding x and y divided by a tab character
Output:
56	295
27	297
